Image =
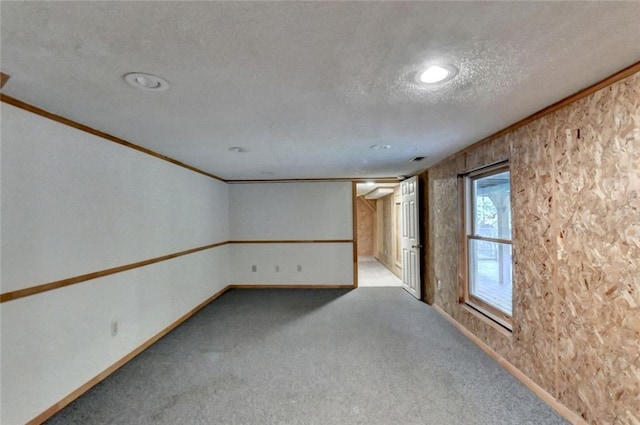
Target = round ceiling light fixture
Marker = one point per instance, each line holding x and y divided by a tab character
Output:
148	82
237	149
434	74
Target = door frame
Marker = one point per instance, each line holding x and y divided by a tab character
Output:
421	227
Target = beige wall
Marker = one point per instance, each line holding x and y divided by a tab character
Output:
386	232
576	220
366	225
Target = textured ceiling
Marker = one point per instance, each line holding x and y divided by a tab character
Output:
308	87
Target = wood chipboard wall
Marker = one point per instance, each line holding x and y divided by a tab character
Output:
598	216
576	241
386	232
366	225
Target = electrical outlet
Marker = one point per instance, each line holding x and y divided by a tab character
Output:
114	328
254	268
277	269
299	267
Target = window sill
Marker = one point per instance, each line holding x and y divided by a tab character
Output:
485	319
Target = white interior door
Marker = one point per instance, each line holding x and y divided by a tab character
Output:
410	237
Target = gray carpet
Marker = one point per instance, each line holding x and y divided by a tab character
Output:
371	273
369	356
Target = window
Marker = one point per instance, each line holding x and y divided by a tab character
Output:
487	283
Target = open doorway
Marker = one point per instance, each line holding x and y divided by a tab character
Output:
378	210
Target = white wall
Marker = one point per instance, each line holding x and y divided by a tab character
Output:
73	203
300	210
320	264
291	211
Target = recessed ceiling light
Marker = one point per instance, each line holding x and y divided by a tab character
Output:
437	74
144	81
376	147
237	149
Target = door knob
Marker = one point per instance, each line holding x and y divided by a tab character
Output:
416	246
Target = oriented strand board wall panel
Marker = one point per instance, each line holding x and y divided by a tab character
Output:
497	150
599	254
443	231
576	240
385	210
443	247
366	223
534	252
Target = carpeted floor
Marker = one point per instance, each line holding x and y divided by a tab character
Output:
368	356
371	273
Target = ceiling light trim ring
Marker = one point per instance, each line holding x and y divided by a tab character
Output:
144	81
379	147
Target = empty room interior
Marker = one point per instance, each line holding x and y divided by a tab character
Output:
320	212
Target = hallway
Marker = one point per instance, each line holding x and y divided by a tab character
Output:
371	273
